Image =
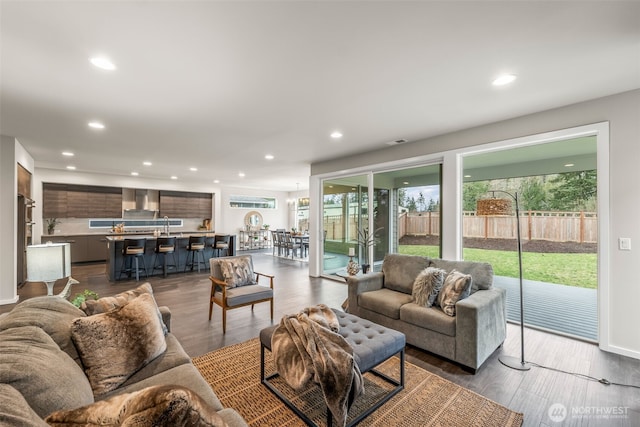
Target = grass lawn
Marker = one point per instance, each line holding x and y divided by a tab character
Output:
567	269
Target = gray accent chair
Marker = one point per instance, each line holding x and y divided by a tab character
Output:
228	297
468	338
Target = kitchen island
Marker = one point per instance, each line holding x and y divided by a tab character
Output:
116	243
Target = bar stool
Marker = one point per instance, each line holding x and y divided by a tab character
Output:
133	250
165	246
195	248
221	243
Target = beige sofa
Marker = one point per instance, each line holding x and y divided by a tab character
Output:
468	338
42	371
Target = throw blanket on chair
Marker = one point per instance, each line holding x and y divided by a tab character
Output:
306	347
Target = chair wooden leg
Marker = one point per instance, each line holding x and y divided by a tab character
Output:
224	321
272	310
210	308
252	307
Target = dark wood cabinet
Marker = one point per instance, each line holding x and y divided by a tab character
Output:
81	201
84	248
180	204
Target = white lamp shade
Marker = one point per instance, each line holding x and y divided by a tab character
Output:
47	263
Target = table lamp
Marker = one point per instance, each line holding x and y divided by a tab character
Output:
48	263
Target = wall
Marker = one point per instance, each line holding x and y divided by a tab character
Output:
622	111
11	153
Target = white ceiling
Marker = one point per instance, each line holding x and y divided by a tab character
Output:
217	85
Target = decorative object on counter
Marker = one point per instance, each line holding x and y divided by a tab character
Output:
206	224
265	226
48	263
352	266
51	224
79	299
118	228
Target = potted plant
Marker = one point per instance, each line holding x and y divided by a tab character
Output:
51	224
366	240
82	297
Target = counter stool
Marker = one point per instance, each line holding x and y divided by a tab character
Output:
165	246
195	249
221	243
133	250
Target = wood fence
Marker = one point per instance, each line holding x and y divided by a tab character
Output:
579	227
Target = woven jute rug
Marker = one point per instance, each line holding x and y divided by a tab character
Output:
427	399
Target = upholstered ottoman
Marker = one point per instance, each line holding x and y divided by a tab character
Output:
372	344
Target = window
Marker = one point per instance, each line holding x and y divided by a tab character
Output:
252	202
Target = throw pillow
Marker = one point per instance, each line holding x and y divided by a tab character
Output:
237	271
104	304
32	363
52	314
427	286
456	287
115	344
163	405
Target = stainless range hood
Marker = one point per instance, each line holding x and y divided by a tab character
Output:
146	202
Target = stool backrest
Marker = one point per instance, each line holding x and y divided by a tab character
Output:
165	244
196	243
134	246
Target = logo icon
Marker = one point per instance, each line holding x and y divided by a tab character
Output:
557	412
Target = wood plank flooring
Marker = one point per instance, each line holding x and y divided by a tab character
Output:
587	403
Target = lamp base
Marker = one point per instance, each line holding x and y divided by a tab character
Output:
514	363
50	287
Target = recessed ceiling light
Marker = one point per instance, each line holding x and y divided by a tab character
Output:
174	177
504	79
71	168
68	153
96	125
467	176
192	169
241	174
336	135
269	157
405	183
568	165
216	181
103	63
135	173
147	163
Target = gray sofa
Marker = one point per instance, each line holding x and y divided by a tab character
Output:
41	370
468	338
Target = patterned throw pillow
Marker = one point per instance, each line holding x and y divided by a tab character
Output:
456	287
237	272
116	344
427	286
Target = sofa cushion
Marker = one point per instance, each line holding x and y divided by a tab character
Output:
32	363
384	301
15	411
481	272
431	318
456	287
401	270
115	344
104	304
52	314
427	286
237	271
163	405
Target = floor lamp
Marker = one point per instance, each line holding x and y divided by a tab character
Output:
494	206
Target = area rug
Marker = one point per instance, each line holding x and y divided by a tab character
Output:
427	399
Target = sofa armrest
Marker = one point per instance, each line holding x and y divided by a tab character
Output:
361	284
166	316
481	326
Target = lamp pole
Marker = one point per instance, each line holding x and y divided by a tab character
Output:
510	361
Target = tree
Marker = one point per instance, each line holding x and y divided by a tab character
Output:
422	204
533	195
471	192
573	190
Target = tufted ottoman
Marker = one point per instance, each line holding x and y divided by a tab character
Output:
372	344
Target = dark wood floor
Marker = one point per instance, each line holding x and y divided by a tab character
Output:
532	392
